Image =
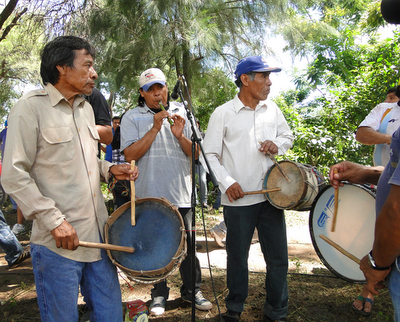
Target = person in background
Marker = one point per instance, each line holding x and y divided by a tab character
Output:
108	150
240	135
102	117
15	252
378	126
163	154
202	175
19	227
120	189
52	170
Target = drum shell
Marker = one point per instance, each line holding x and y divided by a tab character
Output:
298	194
159	239
354	228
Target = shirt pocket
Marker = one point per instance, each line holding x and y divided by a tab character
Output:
58	145
94	135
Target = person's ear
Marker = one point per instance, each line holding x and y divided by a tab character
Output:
245	79
61	69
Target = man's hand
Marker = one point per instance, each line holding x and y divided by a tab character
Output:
234	192
124	172
374	277
179	124
354	173
158	119
268	146
65	236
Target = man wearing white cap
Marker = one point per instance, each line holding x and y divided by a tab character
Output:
159	142
240	133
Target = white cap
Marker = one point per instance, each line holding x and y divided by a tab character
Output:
151	76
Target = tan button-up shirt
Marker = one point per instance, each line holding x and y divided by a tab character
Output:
51	169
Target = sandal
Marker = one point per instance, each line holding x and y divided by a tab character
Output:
363	300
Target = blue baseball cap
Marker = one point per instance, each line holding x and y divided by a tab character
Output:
254	64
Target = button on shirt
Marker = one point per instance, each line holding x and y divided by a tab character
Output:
231	145
51	169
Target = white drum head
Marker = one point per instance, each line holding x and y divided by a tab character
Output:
354	229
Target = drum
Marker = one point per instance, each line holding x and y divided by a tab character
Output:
298	194
354	229
159	239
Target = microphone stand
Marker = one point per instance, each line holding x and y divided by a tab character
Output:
196	138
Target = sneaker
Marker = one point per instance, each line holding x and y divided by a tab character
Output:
24	255
17	229
200	302
218	237
231	316
157	306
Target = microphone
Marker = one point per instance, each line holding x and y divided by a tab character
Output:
174	94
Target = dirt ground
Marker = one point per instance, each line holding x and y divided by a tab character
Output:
315	294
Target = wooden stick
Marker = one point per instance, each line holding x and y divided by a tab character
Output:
261	191
279	167
133	193
340	249
335	210
271	156
107	246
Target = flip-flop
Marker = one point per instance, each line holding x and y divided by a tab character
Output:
363	300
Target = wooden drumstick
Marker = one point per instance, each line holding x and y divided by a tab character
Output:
107	246
261	191
335	210
340	249
133	219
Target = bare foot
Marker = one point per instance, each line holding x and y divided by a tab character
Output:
362	303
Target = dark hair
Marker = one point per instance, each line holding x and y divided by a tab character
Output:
116	118
239	83
395	90
61	52
392	90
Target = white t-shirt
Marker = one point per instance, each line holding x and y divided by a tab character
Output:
384	118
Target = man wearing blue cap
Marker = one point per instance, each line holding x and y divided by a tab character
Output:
240	135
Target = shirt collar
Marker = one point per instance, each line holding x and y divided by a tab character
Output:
56	97
238	105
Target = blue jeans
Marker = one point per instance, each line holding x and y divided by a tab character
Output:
394	288
8	242
217	202
57	282
271	226
14	204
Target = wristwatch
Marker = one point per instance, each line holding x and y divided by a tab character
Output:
372	263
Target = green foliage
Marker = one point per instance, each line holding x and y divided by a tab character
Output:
212	89
352	79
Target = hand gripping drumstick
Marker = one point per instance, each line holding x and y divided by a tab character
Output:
133	220
277	165
261	191
335	210
340	249
107	246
